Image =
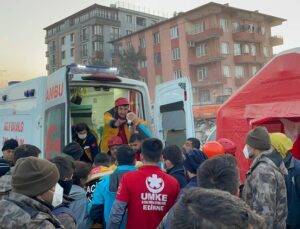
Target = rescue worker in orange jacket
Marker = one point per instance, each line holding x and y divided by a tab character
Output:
118	122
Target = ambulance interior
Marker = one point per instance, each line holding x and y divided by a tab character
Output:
88	105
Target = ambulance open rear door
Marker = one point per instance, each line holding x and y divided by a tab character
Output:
173	112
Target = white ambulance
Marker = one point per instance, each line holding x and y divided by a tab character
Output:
42	111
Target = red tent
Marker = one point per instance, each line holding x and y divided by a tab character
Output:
271	98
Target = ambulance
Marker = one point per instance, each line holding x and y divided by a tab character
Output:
43	110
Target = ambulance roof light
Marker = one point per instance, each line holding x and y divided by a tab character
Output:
92	69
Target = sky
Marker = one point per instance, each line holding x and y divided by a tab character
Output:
22	38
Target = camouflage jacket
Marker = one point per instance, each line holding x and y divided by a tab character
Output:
20	211
5	185
265	190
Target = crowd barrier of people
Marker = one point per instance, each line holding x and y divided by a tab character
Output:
121	184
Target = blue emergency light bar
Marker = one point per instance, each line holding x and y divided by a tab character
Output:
92	69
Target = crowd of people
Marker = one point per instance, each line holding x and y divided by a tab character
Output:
125	186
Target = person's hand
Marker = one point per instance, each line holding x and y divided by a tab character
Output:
132	117
119	122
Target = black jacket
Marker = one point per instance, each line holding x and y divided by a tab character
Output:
178	173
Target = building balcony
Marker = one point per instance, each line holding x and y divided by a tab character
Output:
204	60
240	81
98	54
205	35
97	37
248	37
207	83
276	40
47	54
248	59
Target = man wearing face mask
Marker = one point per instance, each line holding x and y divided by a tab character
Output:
118	122
34	193
63	212
87	141
265	190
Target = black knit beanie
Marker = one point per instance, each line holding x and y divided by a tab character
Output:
258	138
33	176
74	150
10	144
193	159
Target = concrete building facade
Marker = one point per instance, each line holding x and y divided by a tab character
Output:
219	47
84	36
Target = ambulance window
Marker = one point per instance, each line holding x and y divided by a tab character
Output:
93	102
54	131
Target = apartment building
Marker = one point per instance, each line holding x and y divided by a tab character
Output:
84	36
219	47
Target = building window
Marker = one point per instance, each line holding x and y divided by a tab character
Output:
97	29
72	37
204	95
157	58
239	72
129	19
63	55
72	52
223	24
174	32
237	49
225	48
114	33
195	90
175	54
235	27
141	21
156	38
63	40
266	51
202	73
52	61
97	46
200	27
246	49
143	64
142	43
227	91
226	71
84	51
158	79
177	74
254	70
129	45
128	32
201	50
262	30
84	34
253	50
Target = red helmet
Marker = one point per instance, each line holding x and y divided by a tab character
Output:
212	149
115	140
228	145
121	101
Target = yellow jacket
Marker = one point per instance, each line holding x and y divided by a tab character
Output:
109	132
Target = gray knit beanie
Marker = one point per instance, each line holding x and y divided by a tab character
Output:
33	176
258	138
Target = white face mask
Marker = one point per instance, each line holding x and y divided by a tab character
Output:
57	195
246	152
82	136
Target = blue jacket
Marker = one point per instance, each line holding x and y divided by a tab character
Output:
79	207
105	194
292	181
166	222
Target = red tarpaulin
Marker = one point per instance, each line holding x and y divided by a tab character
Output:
269	97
